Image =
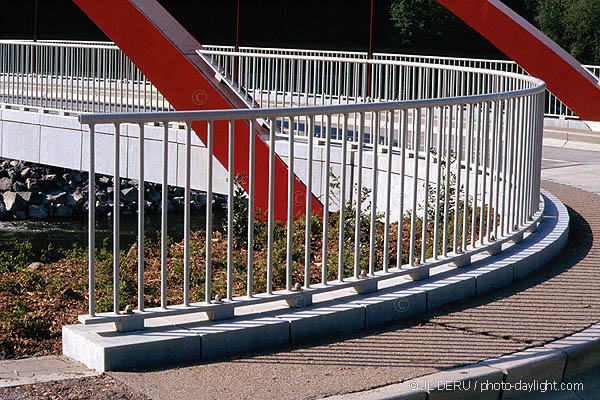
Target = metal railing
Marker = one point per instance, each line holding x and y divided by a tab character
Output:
553	106
76	76
93	76
469	160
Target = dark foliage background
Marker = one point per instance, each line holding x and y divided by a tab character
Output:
416	26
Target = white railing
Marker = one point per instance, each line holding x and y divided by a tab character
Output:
94	76
474	149
553	106
76	76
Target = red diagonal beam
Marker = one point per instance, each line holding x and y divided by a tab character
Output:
166	53
534	51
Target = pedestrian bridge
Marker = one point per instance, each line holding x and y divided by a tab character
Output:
417	181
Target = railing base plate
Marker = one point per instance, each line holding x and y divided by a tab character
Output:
130	324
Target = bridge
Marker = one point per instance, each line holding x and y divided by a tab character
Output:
422	175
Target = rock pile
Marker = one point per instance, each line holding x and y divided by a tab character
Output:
39	192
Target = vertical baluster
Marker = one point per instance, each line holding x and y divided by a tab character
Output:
116	214
468	157
164	207
427	150
92	225
325	248
230	205
459	144
271	211
402	145
186	215
375	144
388	191
290	208
308	227
413	219
141	205
357	220
341	242
447	182
438	186
209	190
250	275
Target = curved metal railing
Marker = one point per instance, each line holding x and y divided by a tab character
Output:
553	107
461	170
95	76
75	76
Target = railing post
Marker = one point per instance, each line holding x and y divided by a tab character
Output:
91	225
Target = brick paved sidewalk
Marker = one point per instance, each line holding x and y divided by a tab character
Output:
559	299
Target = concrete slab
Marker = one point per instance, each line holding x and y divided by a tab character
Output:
61	147
20	116
59	121
20	141
582	349
41	369
529	367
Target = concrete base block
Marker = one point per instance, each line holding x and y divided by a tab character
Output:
494	249
101	348
130	323
535	260
463	261
494	277
419	274
364	286
300	300
518	238
224	311
392	305
534	227
534	365
239	335
323	320
448	290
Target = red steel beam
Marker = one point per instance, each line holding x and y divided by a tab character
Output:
166	53
534	51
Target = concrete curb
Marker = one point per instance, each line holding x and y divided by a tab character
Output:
503	377
182	339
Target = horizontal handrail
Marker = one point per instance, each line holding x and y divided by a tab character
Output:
225	115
